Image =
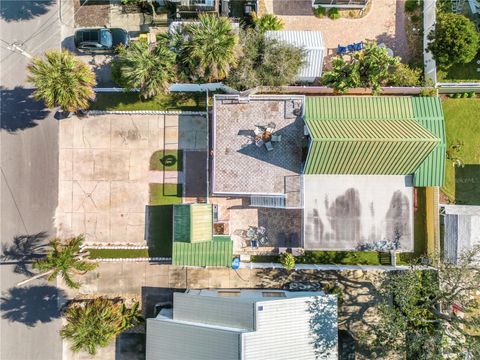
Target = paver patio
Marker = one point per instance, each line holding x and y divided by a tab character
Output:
384	23
104	171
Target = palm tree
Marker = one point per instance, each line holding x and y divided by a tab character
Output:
148	68
267	22
62	80
63	259
212	48
94	323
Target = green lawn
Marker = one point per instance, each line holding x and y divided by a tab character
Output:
128	101
117	253
462	125
461	72
168	160
160	230
165	194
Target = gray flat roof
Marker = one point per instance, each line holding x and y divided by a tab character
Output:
239	166
347	212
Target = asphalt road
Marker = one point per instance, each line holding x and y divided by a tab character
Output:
30	319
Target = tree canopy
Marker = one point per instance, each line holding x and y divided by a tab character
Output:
454	40
369	68
206	50
265	62
149	68
62	80
431	313
95	323
64	258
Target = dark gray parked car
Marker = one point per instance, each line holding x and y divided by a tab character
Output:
100	39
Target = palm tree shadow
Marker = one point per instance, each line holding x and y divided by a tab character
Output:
19	109
24	250
31	305
23	10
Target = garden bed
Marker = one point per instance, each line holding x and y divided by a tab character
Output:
167	160
130	101
117	253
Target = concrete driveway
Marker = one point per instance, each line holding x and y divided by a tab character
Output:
104	171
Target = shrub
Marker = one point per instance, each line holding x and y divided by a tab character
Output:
267	22
416	18
471	94
411	5
428	92
319	12
454	40
266	62
334	14
287	260
404	75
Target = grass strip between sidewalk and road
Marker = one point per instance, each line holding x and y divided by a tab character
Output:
117	253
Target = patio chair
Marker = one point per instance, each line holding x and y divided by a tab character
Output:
271	125
341	50
358	46
259	143
276	138
258	131
351	47
269	146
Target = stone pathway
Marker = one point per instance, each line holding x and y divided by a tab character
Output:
384	23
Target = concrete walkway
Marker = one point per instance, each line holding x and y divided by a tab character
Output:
429	18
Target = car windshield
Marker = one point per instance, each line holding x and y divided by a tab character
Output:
106	38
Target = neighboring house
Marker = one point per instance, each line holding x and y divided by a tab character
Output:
341	174
461	230
188	9
245	325
312	43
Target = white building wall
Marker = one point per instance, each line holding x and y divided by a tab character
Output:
298	328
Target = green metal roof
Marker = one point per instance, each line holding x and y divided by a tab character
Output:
428	112
358	108
376	135
192	223
217	252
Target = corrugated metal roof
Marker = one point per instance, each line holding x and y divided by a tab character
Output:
428	112
391	147
358	108
218	252
312	42
347	141
192	222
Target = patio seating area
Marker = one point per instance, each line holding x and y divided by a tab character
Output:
265	230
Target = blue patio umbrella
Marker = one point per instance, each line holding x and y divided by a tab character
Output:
236	263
